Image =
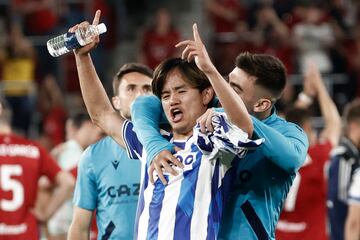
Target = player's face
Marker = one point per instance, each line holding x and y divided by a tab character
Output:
132	85
182	103
244	86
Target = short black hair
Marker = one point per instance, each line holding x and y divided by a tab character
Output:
269	71
191	73
129	68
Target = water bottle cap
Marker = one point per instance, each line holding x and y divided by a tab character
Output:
101	28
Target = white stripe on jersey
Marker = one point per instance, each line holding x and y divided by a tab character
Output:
166	228
144	217
202	200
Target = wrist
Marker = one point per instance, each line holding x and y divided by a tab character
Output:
305	98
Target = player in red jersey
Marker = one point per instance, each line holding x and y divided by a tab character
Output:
22	162
304	213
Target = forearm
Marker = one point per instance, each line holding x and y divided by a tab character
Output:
146	116
63	191
92	90
330	114
77	232
231	102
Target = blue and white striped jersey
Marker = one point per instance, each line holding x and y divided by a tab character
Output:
190	206
345	159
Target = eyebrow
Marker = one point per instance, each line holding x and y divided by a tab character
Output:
176	88
236	85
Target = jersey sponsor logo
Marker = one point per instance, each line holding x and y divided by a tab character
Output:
115	164
123	190
12	229
16	150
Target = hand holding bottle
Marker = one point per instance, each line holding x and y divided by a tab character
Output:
78	37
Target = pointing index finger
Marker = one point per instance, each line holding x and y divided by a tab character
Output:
196	33
97	17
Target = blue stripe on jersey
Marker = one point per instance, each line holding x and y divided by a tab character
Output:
141	203
132	143
254	221
215	209
155	208
185	206
109	229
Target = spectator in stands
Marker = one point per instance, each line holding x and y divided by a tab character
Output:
22	162
345	159
304	213
18	75
227	18
52	108
313	37
158	41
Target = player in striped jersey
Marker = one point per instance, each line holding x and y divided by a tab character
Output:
258	183
185	93
345	159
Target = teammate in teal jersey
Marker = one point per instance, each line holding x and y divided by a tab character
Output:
108	181
259	183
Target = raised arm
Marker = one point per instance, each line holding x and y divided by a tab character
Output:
96	100
229	99
314	87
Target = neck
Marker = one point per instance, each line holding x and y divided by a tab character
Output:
182	136
262	115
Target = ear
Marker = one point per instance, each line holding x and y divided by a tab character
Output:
116	102
262	105
207	95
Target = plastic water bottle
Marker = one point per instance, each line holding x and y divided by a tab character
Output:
68	41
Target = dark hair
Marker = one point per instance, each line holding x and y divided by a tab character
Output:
191	73
129	68
352	111
297	115
78	118
269	71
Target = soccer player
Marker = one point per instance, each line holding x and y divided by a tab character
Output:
108	181
300	219
193	199
345	159
67	156
22	162
258	183
352	224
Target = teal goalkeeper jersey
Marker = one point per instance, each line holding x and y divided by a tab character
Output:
257	185
109	182
261	181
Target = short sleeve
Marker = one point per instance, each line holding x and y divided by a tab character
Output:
85	195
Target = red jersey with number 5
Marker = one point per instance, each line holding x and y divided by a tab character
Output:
22	162
304	213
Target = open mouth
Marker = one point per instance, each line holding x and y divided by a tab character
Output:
176	115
